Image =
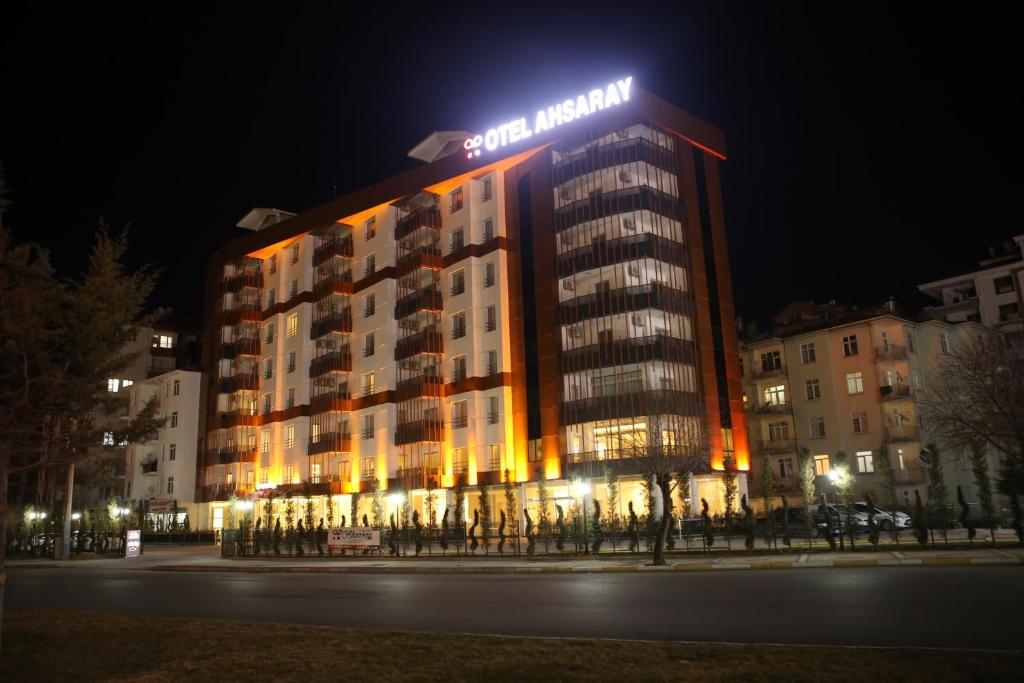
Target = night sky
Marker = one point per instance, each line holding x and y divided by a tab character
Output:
868	151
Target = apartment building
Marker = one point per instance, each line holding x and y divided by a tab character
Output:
161	473
834	380
544	300
991	293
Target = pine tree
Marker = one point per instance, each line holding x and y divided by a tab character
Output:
485	519
531	535
845	484
613	524
511	507
595	524
543	516
729	485
920	522
768	495
709	527
786	541
378	505
473	543
748	522
354	507
501	532
560	522
965	515
938	496
633	530
329	504
886	480
417	532
460	507
872	524
807	491
979	467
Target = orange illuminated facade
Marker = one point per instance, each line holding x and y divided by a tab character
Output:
548	312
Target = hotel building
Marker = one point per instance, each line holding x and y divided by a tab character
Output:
540	307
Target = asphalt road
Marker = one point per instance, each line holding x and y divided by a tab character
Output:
975	607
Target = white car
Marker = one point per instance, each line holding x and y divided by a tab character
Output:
883	518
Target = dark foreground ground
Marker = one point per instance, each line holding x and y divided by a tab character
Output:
52	645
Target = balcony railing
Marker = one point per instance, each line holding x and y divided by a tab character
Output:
630	403
339	283
905	433
419	430
332	322
893	392
423	257
628	201
338	246
335	361
421	217
238	382
625	460
331	442
241	280
601	253
615	153
778	445
891	352
771	371
460	422
338	401
429	340
774	409
627	351
624	300
215	492
492	418
424	385
428	299
228	455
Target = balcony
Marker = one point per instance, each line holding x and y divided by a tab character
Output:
415	387
624	300
331	442
250	312
774	409
624	461
421	257
910	476
891	352
895	392
778	445
424	341
332	322
628	200
336	401
247	278
217	492
602	253
242	346
626	151
460	422
428	299
627	403
765	373
238	418
335	246
905	433
627	351
149	467
420	217
338	283
238	382
419	430
335	361
230	455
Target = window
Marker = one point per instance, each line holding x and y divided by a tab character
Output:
271	297
775	395
273	264
265	442
370	229
455	199
369	305
807	353
813	389
821	467
268	403
108	438
492	362
915	381
860	423
264	475
1003	285
492	410
295	252
778	431
488	230
772	360
460	414
369	383
368	426
174	419
269	333
345	470
943	342
293	324
172	451
125	383
369	265
487	189
369	344
492	318
163	341
314	472
910	342
458	368
170	484
458	240
786	468
268	368
176	385
293	289
458	282
850	345
290	475
289	436
865	462
459	325
458	460
494	457
368	468
489	275
112	385
855	382
1009	311
290	399
817	427
250	478
229	478
291	361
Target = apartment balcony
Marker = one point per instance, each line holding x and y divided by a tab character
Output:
428	299
603	253
616	153
424	341
778	445
332	322
248	312
239	382
891	352
895	392
910	476
419	430
230	455
769	372
331	442
339	283
460	422
627	351
623	461
338	246
336	401
335	361
905	433
243	346
624	300
239	281
774	409
422	257
149	467
219	492
238	418
631	404
628	200
416	387
421	217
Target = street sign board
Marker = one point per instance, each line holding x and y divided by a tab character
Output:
160	505
352	537
133	543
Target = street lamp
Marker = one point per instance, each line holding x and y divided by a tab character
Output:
580	490
76	516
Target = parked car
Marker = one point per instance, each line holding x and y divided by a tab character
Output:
796	521
883	518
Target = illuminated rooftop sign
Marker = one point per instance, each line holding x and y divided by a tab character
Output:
564	112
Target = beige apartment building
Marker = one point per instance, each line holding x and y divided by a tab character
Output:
833	381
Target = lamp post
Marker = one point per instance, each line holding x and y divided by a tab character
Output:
580	489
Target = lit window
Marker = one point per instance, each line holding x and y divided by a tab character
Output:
370	229
865	462
821	465
775	395
494	457
290	476
807	353
458	460
250	477
455	199
289	436
314	473
369	383
367	468
295	253
850	345
855	382
264	475
813	389
229	478
265	441
108	438
460	414
345	472
163	341
112	385
293	324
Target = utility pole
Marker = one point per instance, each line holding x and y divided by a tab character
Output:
66	536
